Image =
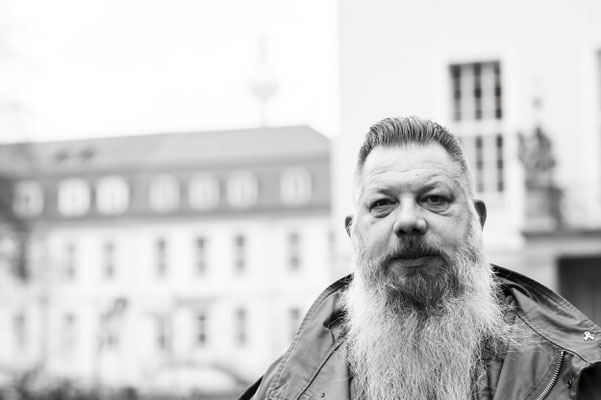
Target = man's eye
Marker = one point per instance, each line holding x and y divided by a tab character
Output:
435	200
380	204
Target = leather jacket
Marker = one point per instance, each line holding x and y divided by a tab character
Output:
564	364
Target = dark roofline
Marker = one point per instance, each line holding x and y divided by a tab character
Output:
233	146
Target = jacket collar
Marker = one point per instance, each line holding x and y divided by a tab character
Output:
551	316
317	340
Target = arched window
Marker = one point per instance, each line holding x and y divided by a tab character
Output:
242	189
164	193
203	192
112	195
296	186
28	200
73	197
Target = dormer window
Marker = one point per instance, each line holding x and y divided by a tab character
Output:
73	197
87	154
28	200
61	156
164	193
112	195
242	189
296	186
203	192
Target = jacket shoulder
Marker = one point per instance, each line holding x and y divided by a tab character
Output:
551	316
314	340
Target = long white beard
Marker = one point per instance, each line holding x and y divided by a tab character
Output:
400	350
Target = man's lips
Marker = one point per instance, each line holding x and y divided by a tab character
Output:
412	262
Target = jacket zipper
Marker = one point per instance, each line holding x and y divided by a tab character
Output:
553	379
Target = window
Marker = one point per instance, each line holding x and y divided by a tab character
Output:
73	197
239	254
240	326
294	316
112	195
14	254
476	91
201	329
485	154
164	194
109	324
163	333
500	165
479	164
28	199
70	257
111	339
109	333
242	189
161	257
296	186
599	81
69	334
332	245
203	192
294	252
22	258
201	255
108	260
20	332
477	107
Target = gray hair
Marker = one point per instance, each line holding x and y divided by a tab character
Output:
399	131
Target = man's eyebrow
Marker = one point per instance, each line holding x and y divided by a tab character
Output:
434	183
378	188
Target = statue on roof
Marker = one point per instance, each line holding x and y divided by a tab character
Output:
543	195
536	155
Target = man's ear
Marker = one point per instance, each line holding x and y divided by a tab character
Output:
481	209
348	221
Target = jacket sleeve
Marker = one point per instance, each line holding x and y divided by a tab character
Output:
589	386
258	390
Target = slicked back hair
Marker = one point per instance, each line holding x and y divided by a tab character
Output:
400	131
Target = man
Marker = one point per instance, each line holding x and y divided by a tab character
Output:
425	316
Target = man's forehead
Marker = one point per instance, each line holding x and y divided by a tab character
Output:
409	157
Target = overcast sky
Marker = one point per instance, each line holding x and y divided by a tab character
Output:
89	68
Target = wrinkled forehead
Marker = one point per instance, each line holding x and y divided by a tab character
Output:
431	157
409	156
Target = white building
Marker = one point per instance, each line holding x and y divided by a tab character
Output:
490	70
174	261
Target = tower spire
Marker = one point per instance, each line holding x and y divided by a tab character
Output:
262	83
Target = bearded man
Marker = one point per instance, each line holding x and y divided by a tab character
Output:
425	316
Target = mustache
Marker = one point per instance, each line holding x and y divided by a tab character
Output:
412	247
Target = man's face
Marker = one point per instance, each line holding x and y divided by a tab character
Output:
413	218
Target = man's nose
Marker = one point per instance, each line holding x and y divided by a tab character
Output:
409	220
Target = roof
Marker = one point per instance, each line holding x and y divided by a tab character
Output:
167	149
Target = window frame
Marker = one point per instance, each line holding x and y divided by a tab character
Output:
74	197
242	189
296	186
109	188
164	193
28	198
203	192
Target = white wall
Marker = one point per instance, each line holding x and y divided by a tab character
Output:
266	290
394	60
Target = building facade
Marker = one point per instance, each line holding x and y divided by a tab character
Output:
179	261
520	83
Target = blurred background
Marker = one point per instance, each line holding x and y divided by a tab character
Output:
174	176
